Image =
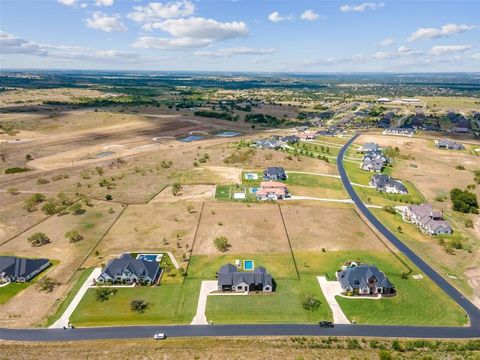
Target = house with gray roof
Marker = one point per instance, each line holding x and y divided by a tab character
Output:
427	219
399	131
271	143
385	183
449	144
229	279
364	279
126	270
371	146
275	174
15	269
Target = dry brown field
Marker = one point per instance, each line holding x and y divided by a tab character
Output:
249	228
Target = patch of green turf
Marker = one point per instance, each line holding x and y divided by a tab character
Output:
9	291
309	180
282	306
223	192
167	304
419	302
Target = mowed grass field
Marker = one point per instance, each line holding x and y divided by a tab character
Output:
282	306
167	304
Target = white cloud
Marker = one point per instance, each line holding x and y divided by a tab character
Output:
229	52
260	61
276	17
448	49
156	11
103	2
309	15
362	7
403	49
476	56
67	2
190	33
446	30
12	44
387	42
107	23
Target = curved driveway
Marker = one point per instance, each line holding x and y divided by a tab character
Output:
124	332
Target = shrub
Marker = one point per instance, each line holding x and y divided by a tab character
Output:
310	303
389	209
469	223
38	239
176	187
108	197
13	191
51	207
73	236
221	243
60	177
460	167
15	170
77	209
47	284
42	181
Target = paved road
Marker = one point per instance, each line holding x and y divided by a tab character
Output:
124	332
472	311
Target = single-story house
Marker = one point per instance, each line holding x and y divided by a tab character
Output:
274	173
271	143
449	144
461	130
399	131
229	279
369	147
364	279
272	190
427	219
388	184
15	269
127	270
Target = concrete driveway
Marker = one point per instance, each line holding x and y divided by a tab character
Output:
330	289
206	288
64	319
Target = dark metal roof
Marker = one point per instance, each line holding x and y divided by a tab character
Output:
15	267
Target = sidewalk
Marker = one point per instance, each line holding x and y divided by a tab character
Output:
63	321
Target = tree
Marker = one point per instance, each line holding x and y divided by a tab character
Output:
310	303
103	293
50	207
176	187
138	305
108	197
47	284
221	243
73	236
464	201
38	239
77	209
33	201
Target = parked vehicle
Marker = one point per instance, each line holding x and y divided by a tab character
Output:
326	324
159	336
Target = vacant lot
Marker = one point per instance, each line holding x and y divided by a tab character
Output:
330	227
152	227
30	306
187	193
249	228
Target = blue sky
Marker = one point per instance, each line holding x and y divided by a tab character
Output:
241	35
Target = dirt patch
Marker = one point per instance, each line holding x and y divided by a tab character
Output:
226	174
329	227
187	193
151	227
473	276
250	229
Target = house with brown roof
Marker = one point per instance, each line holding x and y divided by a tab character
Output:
272	190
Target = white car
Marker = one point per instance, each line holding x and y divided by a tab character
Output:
159	336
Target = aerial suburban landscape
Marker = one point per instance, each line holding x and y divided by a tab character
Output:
253	211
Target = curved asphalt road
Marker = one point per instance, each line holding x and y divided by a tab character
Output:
128	332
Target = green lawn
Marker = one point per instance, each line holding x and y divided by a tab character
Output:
63	306
372	196
357	175
318	148
419	302
167	304
223	192
282	306
205	267
308	180
9	291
